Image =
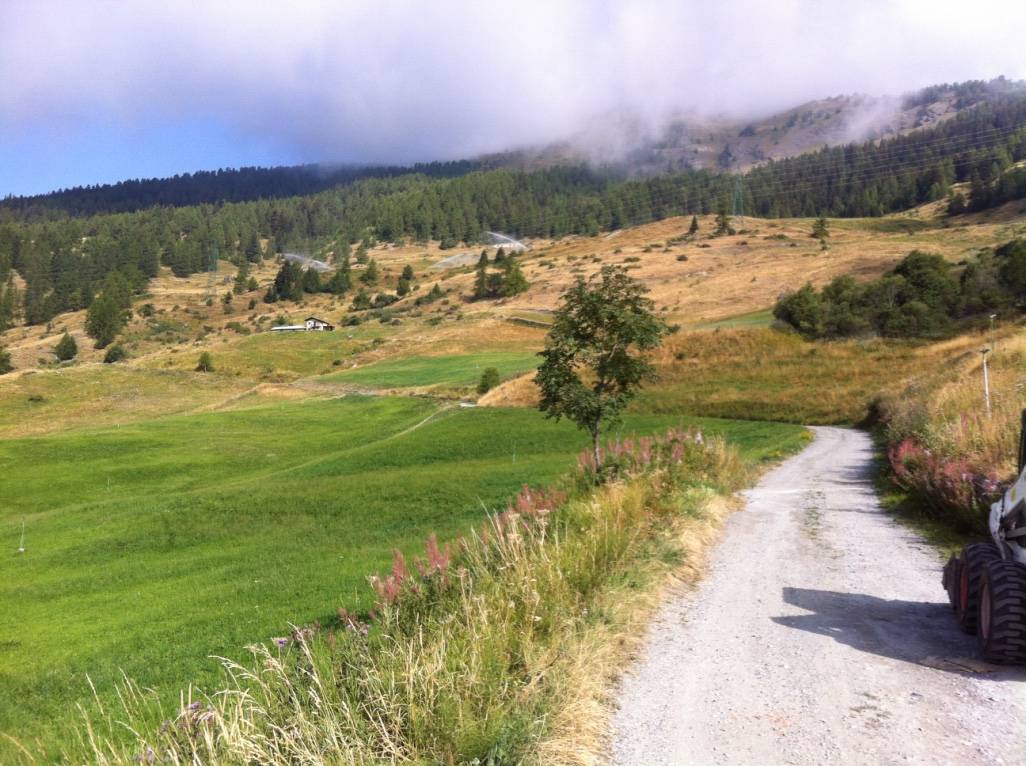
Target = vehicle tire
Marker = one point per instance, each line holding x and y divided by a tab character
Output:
1002	618
974	559
950	580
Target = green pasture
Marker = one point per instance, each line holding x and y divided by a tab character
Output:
153	546
421	371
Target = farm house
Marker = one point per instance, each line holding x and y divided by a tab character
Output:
310	324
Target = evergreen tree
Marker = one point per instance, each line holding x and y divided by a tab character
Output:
242	278
369	276
311	281
114	354
820	229
513	280
956	203
693	228
66	349
342	250
481	287
288	283
403	287
362	300
8	304
489	380
723	226
104	320
5	361
339	284
252	248
407	273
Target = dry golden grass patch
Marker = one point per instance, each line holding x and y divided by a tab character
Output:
943	406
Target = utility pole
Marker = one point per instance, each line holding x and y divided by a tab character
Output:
986	380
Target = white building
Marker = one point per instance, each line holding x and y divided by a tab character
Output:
310	324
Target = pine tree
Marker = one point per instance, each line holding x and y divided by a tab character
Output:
481	290
820	229
370	275
66	349
342	249
723	226
242	278
5	361
252	248
362	300
311	281
513	280
693	228
104	320
407	273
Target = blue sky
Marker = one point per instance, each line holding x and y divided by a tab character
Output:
95	91
47	157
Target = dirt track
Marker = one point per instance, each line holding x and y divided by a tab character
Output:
820	634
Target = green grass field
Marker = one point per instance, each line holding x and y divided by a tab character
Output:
420	371
152	546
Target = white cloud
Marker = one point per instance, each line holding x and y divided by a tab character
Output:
405	80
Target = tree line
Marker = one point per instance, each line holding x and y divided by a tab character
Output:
922	297
64	259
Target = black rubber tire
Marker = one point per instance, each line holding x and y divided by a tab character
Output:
950	580
1002	618
974	560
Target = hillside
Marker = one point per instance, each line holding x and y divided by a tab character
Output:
704	282
730	144
144	480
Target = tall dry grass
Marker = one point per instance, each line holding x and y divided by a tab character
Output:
945	446
497	649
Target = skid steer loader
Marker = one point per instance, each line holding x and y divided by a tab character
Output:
986	582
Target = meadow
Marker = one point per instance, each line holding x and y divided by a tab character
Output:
449	370
152	546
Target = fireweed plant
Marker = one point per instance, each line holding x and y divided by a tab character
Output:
471	650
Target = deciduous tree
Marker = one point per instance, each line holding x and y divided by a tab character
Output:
594	360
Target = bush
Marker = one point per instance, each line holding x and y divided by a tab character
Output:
66	349
5	361
206	363
114	354
489	380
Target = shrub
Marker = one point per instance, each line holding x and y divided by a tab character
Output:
5	361
206	363
66	348
114	354
489	380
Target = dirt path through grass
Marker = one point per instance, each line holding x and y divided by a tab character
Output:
820	635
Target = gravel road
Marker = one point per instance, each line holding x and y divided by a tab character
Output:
820	635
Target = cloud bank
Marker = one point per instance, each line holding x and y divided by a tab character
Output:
403	81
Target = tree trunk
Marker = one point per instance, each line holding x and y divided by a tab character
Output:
597	452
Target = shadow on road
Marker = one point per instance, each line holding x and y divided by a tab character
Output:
918	632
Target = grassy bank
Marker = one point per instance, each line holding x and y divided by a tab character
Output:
152	546
947	452
764	374
491	651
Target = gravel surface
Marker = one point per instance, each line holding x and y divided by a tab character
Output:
820	635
